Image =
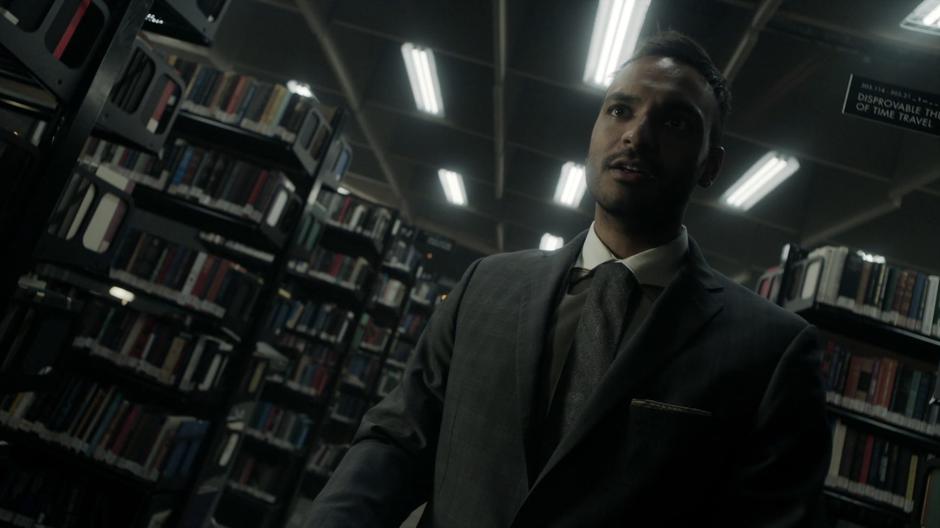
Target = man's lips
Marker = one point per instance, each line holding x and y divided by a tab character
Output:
628	172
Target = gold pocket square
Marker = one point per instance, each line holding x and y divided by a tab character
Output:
669	407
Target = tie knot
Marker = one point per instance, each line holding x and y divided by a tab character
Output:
614	272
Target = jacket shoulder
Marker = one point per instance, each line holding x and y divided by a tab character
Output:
746	304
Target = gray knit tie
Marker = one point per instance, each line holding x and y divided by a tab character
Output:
603	320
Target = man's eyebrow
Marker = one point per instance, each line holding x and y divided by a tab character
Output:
621	97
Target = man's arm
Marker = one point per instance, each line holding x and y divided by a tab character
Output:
778	476
388	470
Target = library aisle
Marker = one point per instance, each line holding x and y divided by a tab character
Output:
242	235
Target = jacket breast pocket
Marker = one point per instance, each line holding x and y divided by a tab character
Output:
666	441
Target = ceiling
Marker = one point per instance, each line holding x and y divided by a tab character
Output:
788	90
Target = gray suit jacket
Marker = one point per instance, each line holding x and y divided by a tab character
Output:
712	413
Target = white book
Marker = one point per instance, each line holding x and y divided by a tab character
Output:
132	337
933	284
194	273
838	442
206	382
186	381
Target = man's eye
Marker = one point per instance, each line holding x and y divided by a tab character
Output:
678	123
618	111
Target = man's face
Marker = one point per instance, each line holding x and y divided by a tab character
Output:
650	143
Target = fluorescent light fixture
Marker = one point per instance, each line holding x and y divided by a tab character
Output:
551	242
342	190
571	185
453	187
871	257
121	294
924	18
764	176
299	88
422	74
616	29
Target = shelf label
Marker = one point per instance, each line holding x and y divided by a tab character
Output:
892	104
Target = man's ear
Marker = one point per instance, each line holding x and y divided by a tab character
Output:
716	156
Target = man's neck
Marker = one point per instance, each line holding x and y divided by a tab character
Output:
625	239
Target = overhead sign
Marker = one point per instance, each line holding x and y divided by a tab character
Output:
894	105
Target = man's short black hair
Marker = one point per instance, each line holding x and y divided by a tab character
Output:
683	49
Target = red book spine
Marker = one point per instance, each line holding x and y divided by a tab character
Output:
866	461
70	29
201	282
336	265
888	385
233	103
125	430
259	185
167	264
162	104
218	280
347	202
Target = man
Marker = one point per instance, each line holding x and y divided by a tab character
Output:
618	381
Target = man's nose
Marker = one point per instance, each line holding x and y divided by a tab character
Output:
638	131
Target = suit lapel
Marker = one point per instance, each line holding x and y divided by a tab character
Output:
540	297
685	306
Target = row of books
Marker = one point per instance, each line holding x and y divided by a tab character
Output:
139	166
325	457
30	339
872	466
401	254
361	369
389	292
153	347
280	426
868	285
389	380
885	387
424	292
354	214
400	353
412	324
370	335
262	107
43	497
308	234
74	214
325	321
344	270
256	476
224	182
98	421
348	408
322	353
308	375
185	275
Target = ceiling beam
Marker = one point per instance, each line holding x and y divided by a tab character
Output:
499	110
873	38
763	13
318	26
499	93
911	173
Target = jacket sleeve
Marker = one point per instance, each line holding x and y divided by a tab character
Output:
778	475
388	469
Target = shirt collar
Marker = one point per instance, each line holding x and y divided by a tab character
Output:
655	267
